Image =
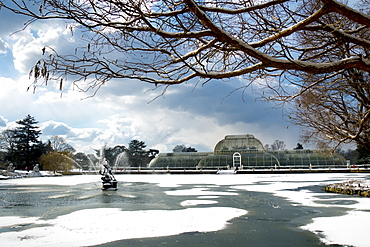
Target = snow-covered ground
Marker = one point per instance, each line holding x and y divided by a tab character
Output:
65	230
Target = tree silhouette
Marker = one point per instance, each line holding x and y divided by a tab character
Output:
183	148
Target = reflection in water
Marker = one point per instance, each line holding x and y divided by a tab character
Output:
108	197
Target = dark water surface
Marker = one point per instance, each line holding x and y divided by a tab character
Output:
270	221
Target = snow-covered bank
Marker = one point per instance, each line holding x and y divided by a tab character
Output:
352	187
57	180
4	174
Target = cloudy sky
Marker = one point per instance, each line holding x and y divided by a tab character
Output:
123	110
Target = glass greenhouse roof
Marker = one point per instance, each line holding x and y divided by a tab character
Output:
251	155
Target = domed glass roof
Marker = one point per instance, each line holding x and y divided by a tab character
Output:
238	143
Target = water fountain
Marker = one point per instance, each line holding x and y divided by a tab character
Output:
92	163
75	163
122	160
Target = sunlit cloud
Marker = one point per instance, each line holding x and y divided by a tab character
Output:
53	128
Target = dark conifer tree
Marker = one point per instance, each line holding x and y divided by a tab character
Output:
137	154
27	149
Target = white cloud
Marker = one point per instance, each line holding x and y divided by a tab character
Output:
52	128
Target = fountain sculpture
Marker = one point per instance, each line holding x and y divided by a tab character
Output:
108	180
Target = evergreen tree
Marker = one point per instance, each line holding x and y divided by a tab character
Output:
27	147
137	153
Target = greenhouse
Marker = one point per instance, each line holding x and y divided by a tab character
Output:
247	152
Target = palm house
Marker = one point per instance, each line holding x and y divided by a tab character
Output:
246	152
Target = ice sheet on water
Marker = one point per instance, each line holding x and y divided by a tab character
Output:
350	229
197	202
97	226
198	192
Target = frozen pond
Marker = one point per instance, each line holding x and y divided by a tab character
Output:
183	210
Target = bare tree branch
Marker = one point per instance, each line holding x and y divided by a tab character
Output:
299	50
